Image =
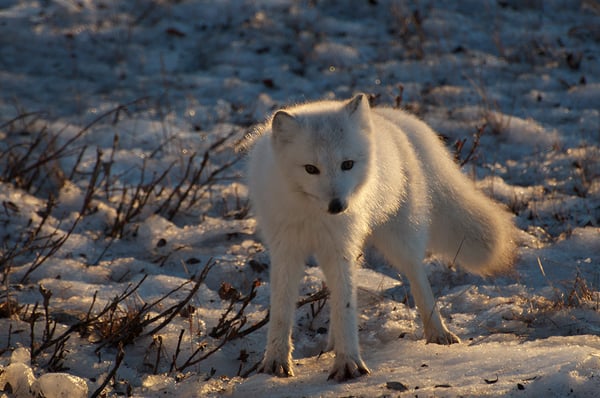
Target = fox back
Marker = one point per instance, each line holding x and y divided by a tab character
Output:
381	165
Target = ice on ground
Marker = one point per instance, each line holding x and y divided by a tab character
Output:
18	379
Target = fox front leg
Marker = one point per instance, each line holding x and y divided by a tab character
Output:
343	337
285	277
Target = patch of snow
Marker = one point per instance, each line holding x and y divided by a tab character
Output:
143	96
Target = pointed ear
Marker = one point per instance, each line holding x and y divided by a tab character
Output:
359	102
359	111
284	127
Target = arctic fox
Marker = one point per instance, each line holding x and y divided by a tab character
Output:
328	177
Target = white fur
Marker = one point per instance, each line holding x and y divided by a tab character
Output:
404	195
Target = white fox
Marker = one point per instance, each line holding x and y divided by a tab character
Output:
328	177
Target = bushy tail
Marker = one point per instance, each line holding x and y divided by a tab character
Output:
467	226
471	229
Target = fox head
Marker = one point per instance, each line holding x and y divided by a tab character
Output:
323	149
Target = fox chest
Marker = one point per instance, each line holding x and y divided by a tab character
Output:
312	234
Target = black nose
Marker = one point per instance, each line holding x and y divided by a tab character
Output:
336	206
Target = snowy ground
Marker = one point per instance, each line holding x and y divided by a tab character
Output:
120	184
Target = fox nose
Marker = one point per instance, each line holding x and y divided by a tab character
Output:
336	206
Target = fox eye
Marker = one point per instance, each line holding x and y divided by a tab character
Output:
347	164
310	169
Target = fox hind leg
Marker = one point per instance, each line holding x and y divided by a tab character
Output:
409	259
433	325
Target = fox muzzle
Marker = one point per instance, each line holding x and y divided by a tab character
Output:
337	206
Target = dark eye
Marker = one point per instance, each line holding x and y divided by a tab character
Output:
347	164
310	169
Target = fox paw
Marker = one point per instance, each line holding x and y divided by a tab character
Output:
276	368
444	337
345	368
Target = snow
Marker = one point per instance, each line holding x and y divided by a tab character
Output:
152	98
18	378
540	367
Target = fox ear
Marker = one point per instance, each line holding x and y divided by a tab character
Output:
358	103
358	110
284	127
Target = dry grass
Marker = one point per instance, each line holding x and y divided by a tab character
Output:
32	159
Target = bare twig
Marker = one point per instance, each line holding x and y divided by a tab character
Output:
460	144
172	311
119	358
86	322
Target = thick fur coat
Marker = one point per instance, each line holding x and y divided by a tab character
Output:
328	177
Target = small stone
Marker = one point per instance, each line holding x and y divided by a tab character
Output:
396	386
